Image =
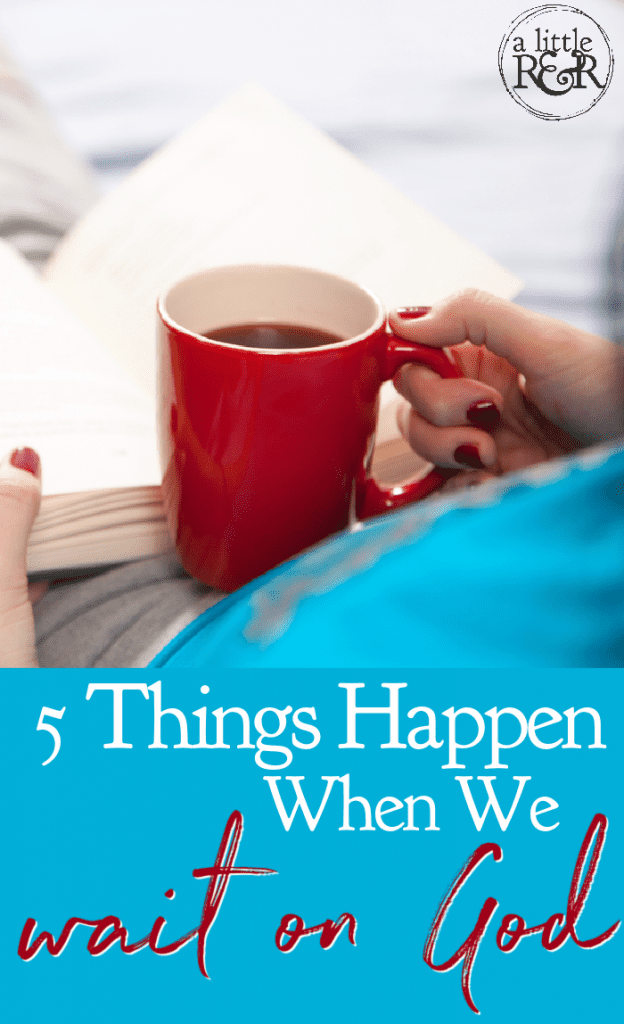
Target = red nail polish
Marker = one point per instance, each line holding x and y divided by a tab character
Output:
468	455
26	458
484	415
412	312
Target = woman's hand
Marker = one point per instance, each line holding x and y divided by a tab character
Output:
20	494
534	388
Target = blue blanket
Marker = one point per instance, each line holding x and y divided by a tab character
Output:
527	572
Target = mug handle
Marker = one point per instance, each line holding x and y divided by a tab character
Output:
377	497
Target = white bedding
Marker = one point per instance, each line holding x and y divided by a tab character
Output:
410	87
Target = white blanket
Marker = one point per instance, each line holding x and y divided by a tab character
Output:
409	86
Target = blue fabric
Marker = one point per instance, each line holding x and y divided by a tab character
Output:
524	572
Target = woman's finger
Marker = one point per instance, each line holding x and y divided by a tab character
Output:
533	343
451	447
20	494
575	379
448	403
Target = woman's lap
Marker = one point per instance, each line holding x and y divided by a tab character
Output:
120	618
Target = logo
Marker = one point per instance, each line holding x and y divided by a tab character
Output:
556	62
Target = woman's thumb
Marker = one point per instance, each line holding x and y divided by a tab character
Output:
20	495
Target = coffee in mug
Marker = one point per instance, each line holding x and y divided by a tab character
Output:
266	335
266	442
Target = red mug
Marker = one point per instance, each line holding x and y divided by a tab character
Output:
266	451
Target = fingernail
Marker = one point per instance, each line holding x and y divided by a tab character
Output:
412	312
484	415
468	455
26	458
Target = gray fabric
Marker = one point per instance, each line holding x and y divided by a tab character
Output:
121	618
44	188
615	277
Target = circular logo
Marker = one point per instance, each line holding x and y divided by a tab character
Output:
556	61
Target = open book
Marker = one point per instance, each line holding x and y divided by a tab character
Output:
250	182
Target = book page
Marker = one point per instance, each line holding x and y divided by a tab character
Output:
62	393
253	182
